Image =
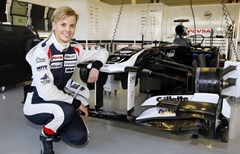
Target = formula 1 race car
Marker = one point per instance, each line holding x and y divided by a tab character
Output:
165	69
189	98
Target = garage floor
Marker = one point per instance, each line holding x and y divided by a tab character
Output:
18	136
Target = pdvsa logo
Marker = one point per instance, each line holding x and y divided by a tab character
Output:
57	57
199	31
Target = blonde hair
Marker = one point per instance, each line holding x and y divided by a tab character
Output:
62	12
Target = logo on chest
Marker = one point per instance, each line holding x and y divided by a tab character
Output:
70	56
45	79
41	67
56	65
69	70
69	63
57	58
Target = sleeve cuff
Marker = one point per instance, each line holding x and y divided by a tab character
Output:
76	103
97	64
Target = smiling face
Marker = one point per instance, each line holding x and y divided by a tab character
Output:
64	29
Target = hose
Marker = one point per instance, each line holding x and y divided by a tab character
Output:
230	28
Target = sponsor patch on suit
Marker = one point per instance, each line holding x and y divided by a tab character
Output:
69	70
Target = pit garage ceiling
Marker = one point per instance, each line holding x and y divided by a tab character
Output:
167	2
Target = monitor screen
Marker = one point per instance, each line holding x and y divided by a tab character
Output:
50	12
3	6
38	23
19	8
49	25
19	20
37	11
3	17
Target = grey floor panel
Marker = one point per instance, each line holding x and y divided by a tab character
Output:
18	136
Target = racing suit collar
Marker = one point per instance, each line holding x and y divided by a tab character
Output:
60	46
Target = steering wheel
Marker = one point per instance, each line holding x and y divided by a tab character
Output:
195	40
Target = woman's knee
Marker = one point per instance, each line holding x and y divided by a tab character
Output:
66	113
69	111
80	139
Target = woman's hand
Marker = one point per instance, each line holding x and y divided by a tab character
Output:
93	75
83	111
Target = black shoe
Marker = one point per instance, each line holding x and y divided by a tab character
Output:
56	138
46	144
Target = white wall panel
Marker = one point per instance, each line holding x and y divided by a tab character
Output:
138	20
50	3
148	21
106	26
93	16
123	24
93	21
215	22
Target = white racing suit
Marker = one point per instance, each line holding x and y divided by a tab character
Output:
47	103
